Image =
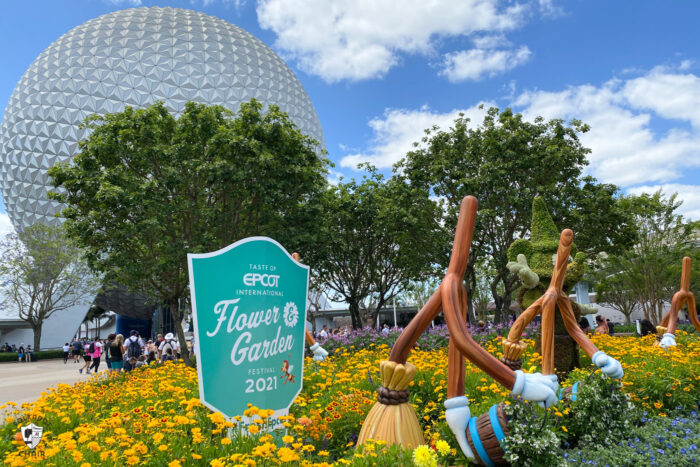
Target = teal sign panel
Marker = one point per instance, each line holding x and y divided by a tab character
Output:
249	308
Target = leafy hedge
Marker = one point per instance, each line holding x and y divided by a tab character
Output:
633	328
40	355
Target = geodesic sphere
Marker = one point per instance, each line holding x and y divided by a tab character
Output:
131	57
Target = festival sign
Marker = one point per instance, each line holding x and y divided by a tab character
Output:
249	308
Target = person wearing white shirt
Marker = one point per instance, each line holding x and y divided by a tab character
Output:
66	352
169	342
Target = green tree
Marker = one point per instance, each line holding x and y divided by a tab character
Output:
481	289
418	292
44	273
615	293
650	269
374	237
147	188
505	162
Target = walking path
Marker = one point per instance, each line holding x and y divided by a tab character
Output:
24	382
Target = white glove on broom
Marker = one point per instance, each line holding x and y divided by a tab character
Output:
536	387
457	417
669	340
608	365
319	352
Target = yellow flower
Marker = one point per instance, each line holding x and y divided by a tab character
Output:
157	438
132	460
287	455
226	441
423	456
216	463
196	456
564	428
175	463
442	447
253	429
288	439
163	447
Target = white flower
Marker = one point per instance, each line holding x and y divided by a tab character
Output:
291	314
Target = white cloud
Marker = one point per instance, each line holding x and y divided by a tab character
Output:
491	41
334	177
690	194
550	9
685	65
626	150
361	39
5	225
124	2
477	63
238	4
398	129
670	95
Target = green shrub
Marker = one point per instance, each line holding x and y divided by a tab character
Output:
533	439
670	441
40	355
601	414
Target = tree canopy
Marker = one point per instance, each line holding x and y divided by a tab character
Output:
648	272
44	273
147	188
505	162
374	236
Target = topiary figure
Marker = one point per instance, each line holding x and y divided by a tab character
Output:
532	261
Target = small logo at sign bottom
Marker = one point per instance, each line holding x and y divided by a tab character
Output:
31	434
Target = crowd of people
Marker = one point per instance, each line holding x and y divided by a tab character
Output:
24	353
121	354
602	325
324	332
117	352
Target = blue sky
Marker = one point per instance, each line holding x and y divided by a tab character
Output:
379	72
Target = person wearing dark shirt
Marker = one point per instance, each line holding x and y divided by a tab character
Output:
116	354
584	325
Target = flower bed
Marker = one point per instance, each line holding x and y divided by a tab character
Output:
153	415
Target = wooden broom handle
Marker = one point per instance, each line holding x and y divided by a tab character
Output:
683	297
463	235
408	338
556	285
309	337
459	335
685	275
452	293
549	300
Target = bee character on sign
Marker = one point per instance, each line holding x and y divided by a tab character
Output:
287	372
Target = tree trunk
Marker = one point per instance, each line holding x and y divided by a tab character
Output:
37	336
354	307
660	310
177	322
470	286
502	302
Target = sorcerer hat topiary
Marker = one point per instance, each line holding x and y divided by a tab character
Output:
543	228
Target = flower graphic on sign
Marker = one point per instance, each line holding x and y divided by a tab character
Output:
291	314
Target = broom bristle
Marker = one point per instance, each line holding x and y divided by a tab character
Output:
394	424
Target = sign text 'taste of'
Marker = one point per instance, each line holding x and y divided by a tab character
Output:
249	306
